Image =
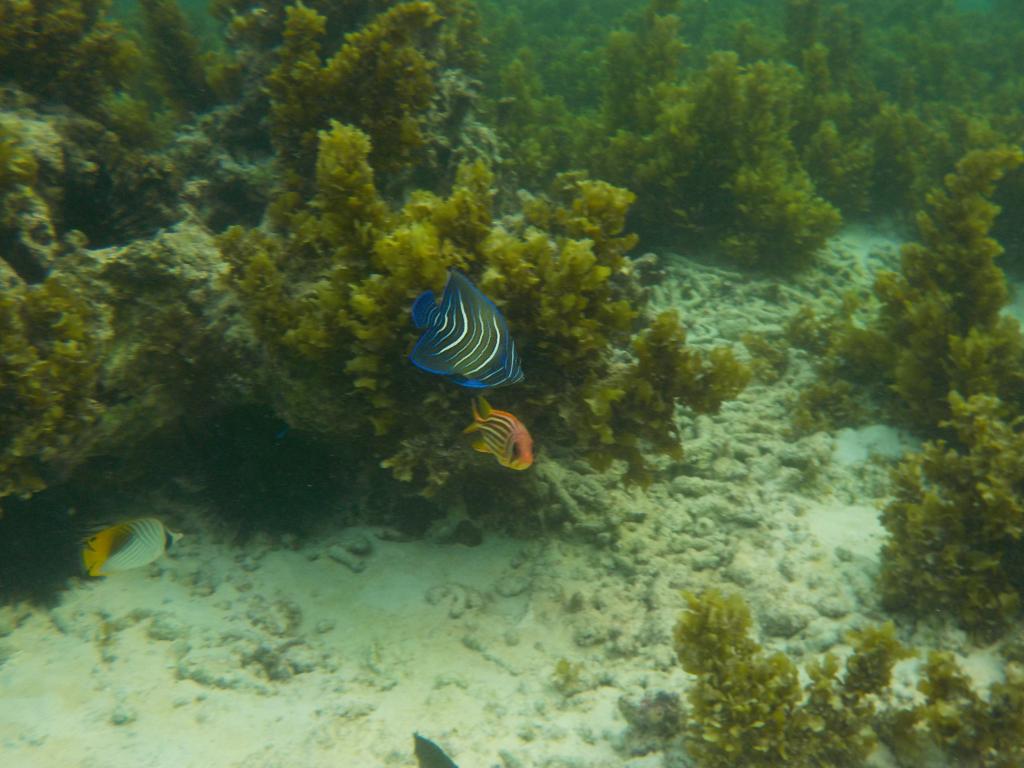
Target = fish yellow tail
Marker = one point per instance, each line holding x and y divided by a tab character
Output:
482	407
480	413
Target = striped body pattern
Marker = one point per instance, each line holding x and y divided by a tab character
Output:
466	337
502	434
127	545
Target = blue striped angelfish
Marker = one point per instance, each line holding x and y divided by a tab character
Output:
466	338
127	545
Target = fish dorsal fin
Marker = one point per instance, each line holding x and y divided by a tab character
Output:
422	308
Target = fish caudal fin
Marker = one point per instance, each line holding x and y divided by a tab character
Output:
482	407
480	413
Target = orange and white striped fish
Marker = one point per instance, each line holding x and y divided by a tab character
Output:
502	434
127	545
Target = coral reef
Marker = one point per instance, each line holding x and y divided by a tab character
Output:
749	148
26	232
751	129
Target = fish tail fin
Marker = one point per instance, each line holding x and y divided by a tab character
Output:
485	407
477	416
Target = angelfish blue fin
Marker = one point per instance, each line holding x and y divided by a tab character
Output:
421	308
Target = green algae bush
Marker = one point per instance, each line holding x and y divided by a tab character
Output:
48	377
751	128
334	287
66	50
934	327
749	707
957	519
395	137
941	313
753	708
949	361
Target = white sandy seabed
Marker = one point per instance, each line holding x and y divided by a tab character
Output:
333	652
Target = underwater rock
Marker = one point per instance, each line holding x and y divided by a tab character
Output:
834	605
12	617
653	718
216	667
512	584
357	543
123	714
460	530
781	620
744	570
32	247
353	562
167	626
281	662
457	597
151	343
324	626
282	618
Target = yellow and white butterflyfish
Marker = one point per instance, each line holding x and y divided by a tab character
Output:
127	545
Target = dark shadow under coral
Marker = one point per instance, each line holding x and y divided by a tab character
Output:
39	548
262	475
